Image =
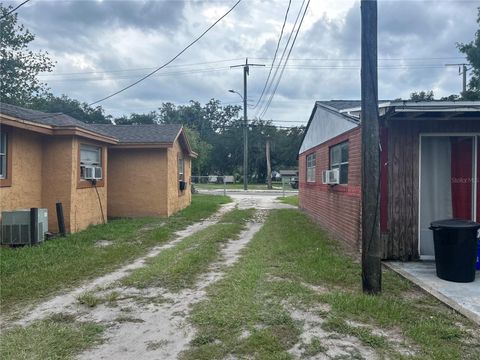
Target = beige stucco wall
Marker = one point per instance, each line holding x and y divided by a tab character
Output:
26	188
57	178
178	200
137	182
44	172
87	206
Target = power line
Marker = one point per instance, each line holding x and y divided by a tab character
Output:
169	61
225	68
284	49
288	56
139	69
13	10
275	55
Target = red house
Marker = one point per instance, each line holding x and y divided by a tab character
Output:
430	170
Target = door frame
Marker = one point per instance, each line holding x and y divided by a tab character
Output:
476	145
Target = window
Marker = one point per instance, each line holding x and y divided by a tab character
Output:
339	160
3	155
89	156
181	169
311	160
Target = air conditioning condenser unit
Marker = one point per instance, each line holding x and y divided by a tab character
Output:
16	227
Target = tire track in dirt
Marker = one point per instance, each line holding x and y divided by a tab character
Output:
61	303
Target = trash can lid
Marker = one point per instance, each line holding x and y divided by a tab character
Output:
455	224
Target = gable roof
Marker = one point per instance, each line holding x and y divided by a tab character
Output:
154	135
145	134
349	110
55	120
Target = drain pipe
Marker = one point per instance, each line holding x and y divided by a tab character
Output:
60	219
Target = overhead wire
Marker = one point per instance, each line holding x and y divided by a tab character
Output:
275	54
169	61
286	61
14	9
283	52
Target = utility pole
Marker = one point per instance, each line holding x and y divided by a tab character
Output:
371	246
269	166
462	70
246	69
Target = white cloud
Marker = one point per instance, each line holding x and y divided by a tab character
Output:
113	35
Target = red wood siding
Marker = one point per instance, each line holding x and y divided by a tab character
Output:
335	208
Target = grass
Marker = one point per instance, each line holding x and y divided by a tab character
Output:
290	200
258	293
31	273
58	337
178	267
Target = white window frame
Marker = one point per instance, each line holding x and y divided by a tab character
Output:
338	165
311	160
89	163
4	154
181	169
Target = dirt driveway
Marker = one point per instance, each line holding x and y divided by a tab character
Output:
150	323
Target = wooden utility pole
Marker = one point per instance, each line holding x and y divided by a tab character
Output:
246	71
371	245
269	167
462	70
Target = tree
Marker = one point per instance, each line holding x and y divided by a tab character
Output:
138	119
201	147
19	67
72	107
472	51
422	96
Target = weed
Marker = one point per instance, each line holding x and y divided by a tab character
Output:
89	299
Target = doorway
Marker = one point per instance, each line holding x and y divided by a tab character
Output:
449	173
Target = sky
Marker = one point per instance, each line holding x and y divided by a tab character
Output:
101	46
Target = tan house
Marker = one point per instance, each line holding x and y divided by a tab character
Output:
146	168
48	158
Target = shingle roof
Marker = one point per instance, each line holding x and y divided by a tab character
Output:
52	119
341	104
346	104
131	134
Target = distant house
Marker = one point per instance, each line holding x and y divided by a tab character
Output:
430	170
48	158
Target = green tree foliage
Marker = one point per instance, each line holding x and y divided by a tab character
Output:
72	107
422	96
138	119
201	147
472	51
19	66
220	132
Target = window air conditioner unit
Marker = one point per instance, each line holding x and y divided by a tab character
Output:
92	172
331	177
16	227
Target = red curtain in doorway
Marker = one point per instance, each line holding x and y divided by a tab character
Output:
462	177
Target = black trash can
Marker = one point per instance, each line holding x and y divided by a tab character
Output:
455	243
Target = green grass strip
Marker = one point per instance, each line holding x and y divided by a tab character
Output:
178	267
290	200
31	273
53	338
291	250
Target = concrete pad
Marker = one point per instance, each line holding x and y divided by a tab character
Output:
462	297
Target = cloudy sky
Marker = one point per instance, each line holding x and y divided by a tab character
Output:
101	46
